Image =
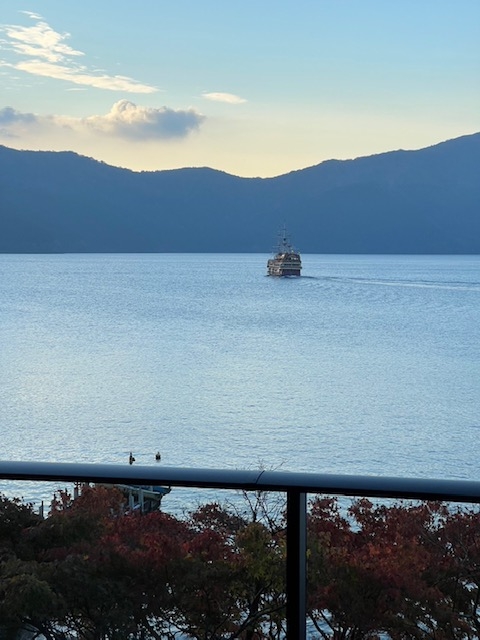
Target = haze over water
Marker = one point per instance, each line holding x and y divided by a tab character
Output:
365	364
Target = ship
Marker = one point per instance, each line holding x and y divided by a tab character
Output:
286	261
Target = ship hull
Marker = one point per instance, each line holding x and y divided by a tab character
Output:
284	265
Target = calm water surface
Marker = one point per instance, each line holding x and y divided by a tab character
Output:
365	364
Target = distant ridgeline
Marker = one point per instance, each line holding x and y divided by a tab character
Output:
425	201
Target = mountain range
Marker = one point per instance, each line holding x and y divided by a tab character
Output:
406	202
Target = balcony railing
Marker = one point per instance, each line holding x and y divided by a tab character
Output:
295	485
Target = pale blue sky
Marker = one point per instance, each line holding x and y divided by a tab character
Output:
256	88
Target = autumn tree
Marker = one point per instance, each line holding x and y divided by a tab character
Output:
455	547
93	571
26	599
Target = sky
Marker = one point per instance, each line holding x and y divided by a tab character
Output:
256	88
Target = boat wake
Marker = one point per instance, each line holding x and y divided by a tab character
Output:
417	284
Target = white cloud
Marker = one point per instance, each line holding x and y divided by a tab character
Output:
12	121
10	116
31	14
39	41
229	98
49	56
125	120
128	120
80	75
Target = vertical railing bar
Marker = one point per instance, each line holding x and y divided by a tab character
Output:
296	565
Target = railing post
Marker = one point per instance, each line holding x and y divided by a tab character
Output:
296	565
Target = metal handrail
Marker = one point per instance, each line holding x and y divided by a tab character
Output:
249	480
296	485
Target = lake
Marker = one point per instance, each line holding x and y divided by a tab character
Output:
364	365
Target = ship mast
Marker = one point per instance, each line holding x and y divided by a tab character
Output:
284	245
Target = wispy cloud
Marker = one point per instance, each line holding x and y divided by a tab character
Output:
125	120
31	14
39	41
80	75
49	55
229	98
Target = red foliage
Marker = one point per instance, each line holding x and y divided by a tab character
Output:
401	571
